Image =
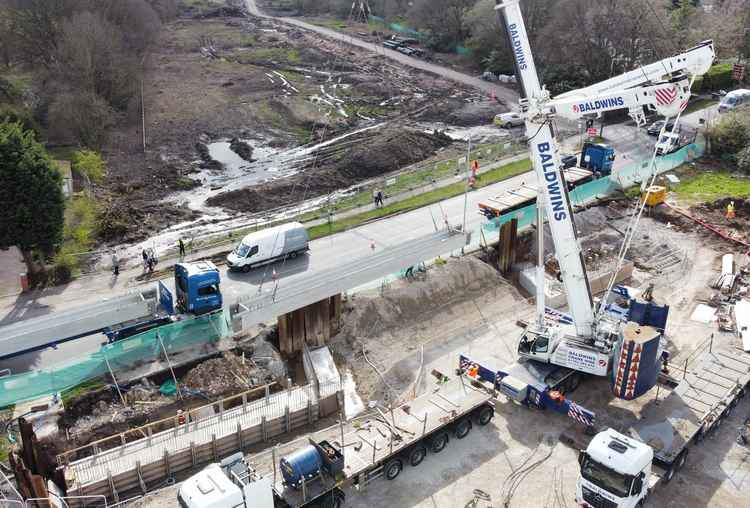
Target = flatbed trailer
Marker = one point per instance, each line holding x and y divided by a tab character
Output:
379	446
654	448
514	199
706	394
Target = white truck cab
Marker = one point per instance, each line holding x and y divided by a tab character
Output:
615	472
668	142
228	484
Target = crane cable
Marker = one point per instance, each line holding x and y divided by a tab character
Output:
633	225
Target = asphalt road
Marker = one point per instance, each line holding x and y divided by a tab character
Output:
504	94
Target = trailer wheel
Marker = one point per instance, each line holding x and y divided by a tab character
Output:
393	469
417	455
439	442
681	459
669	474
463	427
484	414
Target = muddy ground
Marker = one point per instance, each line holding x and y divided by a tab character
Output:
373	154
217	75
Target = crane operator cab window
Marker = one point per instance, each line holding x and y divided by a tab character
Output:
531	344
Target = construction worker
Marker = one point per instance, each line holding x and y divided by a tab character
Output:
730	210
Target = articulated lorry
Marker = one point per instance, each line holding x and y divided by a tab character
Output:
380	446
621	469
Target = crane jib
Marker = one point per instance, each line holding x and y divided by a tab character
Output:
552	180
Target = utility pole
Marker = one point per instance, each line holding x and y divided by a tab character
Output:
468	176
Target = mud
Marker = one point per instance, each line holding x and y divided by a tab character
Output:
374	153
224	76
242	149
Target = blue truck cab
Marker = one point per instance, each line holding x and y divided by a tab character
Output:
197	287
598	158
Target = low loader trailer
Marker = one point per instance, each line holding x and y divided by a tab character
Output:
315	475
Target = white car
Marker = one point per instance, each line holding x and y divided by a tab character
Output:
508	120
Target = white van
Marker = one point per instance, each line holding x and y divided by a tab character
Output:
734	100
269	245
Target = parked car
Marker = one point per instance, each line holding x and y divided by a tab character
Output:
406	50
508	120
269	245
391	44
655	128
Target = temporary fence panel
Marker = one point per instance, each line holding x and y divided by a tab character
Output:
121	355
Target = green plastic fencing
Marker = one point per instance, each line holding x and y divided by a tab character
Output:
396	27
123	355
602	187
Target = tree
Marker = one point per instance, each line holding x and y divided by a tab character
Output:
92	58
34	26
81	118
90	165
31	198
444	19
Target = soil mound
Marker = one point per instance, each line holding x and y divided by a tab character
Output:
339	166
228	374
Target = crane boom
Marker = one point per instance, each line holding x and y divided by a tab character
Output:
546	161
695	61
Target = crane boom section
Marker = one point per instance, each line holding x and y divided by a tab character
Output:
667	99
694	61
546	162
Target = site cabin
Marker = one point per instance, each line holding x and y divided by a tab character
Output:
381	446
269	245
620	471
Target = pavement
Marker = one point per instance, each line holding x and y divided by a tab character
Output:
11	268
508	96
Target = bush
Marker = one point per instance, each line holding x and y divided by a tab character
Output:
730	135
743	160
718	77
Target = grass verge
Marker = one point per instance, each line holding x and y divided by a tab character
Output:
427	198
698	105
712	185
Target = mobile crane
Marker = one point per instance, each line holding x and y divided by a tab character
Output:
593	340
619	469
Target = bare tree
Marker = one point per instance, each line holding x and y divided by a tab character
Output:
93	58
444	19
81	118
